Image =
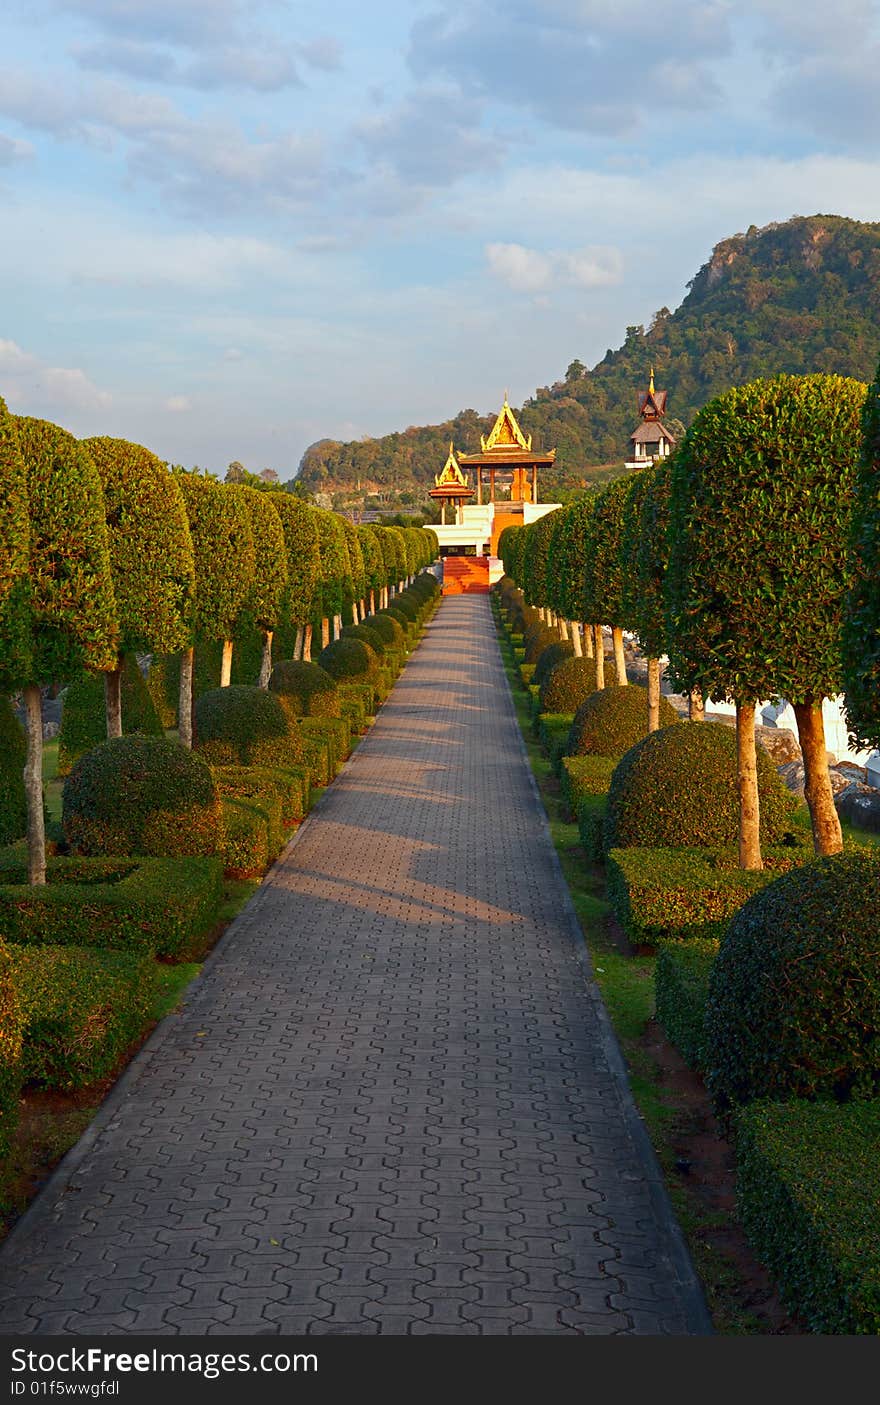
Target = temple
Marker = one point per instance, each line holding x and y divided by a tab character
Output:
503	477
650	441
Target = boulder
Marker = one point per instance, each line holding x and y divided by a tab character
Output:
860	804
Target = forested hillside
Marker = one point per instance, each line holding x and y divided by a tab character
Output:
799	296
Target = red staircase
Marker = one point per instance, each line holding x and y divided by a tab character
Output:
465	575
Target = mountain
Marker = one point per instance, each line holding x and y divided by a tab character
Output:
799	296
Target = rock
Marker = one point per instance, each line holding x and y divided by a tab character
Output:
852	771
860	804
783	745
50	730
793	775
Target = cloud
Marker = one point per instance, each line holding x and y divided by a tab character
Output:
178	404
264	69
529	271
432	138
13	150
32	386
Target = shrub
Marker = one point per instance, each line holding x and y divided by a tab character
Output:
675	893
553	729
551	656
141	795
678	787
609	722
82	1009
363	693
536	639
808	1187
84	717
371	637
348	658
794	1005
584	775
591	825
403	621
387	628
336	731
319	758
566	686
405	604
246	726
681	986
306	687
274	783
118	904
247	846
11	1021
163	686
13	802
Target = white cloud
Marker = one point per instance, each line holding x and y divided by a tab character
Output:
13	150
530	271
178	404
31	386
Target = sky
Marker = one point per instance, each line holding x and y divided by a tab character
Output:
233	227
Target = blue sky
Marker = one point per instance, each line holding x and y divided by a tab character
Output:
231	228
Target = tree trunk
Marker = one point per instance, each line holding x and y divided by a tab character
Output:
747	785
696	706
325	633
372	597
298	643
33	785
113	700
575	632
562	627
307	644
827	835
226	664
185	703
588	640
266	660
619	656
599	649
337	626
653	695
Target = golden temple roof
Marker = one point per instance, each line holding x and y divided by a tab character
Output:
505	433
452	475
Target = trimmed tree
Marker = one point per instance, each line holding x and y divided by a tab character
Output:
72	615
266	598
335	582
300	530
576	553
374	566
536	585
357	588
151	557
861	626
223	550
605	574
389	561
15	583
763	488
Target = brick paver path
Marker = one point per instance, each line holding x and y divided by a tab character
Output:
392	1103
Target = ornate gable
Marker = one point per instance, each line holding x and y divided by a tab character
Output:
505	433
451	475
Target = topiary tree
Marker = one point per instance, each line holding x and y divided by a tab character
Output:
389	561
356	585
398	542
559	549
645	553
570	552
13	753
677	788
269	583
151	558
374	566
388	628
223	550
861	624
72	613
605	579
306	689
367	635
794	994
244	726
15	584
83	719
566	686
611	720
554	654
344	659
535	562
300	528
141	795
510	550
335	579
763	487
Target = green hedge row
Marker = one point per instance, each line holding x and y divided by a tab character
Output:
580	776
681	992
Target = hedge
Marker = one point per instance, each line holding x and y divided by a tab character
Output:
569	683
673	893
141	795
553	729
364	693
554	654
246	726
247	848
307	688
808	1186
337	733
347	659
612	720
580	776
388	628
288	785
681	989
591	825
319	759
84	715
243	785
82	1009
794	1002
10	1048
13	802
118	904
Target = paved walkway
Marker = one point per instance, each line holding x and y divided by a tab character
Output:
392	1104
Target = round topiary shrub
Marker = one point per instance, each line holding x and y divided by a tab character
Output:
369	636
246	726
141	795
306	689
407	606
551	656
13	802
388	630
677	787
84	715
567	685
537	638
794	995
610	721
345	659
403	622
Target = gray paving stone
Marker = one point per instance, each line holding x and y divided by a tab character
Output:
405	1113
